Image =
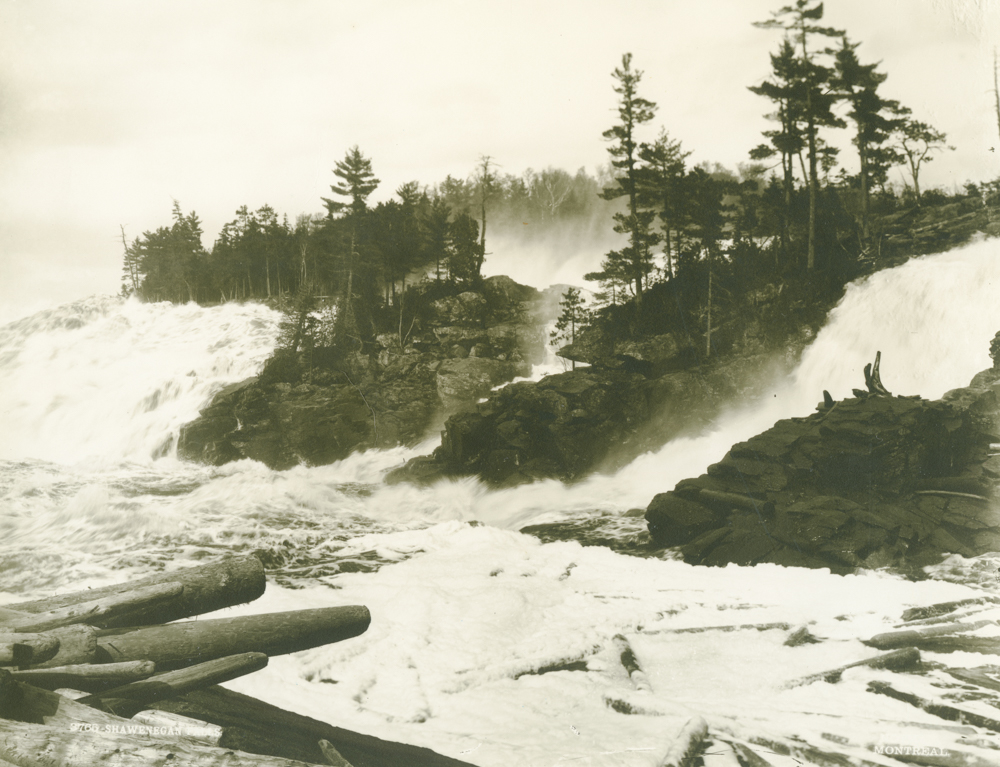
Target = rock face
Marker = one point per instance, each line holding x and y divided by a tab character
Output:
462	347
568	425
870	482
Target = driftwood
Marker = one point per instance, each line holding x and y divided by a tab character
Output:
77	644
873	380
31	745
631	664
176	645
89	677
687	743
916	638
253	725
952	643
942	710
977	676
899	660
231	581
94	610
132	698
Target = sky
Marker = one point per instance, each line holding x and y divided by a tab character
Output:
112	109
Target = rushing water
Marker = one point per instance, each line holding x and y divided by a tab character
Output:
93	394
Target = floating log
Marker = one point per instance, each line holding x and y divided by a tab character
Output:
977	676
898	660
893	639
627	657
77	644
89	677
32	745
132	698
687	743
177	645
731	627
748	756
22	649
805	753
941	608
229	582
944	711
801	636
202	732
253	725
95	610
951	643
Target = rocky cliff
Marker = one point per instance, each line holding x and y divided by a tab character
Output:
870	481
305	411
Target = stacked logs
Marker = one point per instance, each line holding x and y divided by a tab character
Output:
90	677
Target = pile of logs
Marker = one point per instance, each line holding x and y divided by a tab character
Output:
117	676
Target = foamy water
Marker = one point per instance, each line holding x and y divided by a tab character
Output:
95	392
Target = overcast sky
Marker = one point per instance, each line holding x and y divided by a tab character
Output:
111	109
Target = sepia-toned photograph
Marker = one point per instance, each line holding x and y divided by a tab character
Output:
481	384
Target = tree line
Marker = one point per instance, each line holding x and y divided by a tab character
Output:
706	238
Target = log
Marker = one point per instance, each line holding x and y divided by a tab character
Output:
31	745
96	610
37	706
129	699
627	657
22	649
893	639
731	627
77	644
90	677
941	608
253	725
944	711
10	695
898	660
229	582
177	645
686	744
976	676
951	643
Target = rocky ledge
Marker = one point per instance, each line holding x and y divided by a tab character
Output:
316	412
872	481
592	419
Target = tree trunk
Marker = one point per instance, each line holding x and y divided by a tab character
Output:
77	644
226	583
177	645
708	329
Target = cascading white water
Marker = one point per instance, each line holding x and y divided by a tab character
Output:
109	379
93	395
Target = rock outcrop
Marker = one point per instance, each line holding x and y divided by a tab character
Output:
592	419
461	347
870	482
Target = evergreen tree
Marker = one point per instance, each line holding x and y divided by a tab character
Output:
872	117
574	316
660	180
812	92
463	251
357	182
634	260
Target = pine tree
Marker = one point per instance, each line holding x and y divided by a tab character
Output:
574	316
634	260
811	90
